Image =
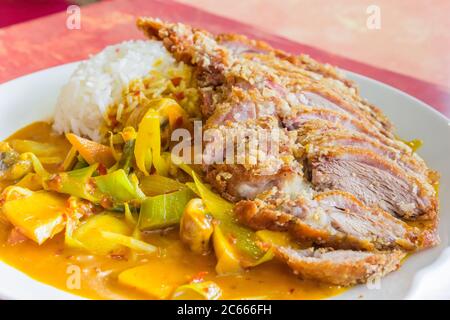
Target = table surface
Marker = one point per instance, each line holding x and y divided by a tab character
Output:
410	51
413	39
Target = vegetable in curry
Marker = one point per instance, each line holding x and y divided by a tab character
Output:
136	224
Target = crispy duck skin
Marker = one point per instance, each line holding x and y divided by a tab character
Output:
240	44
230	73
302	114
237	177
315	91
340	267
343	180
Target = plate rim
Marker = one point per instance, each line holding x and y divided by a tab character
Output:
56	293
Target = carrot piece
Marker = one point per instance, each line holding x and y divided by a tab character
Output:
91	151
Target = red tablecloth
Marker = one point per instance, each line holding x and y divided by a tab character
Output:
15	11
46	42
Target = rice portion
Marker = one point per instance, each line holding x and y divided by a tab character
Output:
98	83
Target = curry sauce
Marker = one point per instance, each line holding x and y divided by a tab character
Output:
55	264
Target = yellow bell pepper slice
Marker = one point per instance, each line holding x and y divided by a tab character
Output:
170	109
228	261
147	150
148	138
244	245
219	207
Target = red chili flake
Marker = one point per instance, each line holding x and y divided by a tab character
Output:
199	277
179	95
85	208
232	238
176	81
178	122
118	257
102	169
55	182
106	203
16	237
114	122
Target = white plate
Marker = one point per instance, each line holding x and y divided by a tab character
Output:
423	276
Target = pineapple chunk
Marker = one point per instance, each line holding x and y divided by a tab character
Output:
89	234
39	216
156	280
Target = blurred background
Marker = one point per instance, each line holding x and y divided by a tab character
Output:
413	37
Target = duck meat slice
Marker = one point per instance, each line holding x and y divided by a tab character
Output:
335	219
319	136
374	180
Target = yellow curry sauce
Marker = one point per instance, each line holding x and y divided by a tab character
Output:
173	263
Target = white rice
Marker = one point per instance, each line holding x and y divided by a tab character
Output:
98	83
